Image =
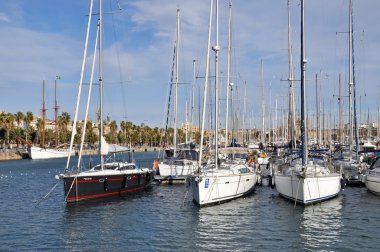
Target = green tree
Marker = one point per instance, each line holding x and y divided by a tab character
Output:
19	117
28	119
63	121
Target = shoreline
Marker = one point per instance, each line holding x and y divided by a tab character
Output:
17	155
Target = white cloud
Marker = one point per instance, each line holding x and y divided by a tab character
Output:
4	17
145	46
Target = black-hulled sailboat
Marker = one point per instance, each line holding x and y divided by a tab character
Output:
110	177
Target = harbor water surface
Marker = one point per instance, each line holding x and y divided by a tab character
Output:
164	218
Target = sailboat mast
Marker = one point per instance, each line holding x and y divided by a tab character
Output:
80	86
55	112
340	111
101	79
317	109
350	78
43	115
303	89
354	87
228	67
193	99
262	104
216	49
205	86
176	87
291	119
244	112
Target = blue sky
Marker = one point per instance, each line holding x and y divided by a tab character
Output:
41	38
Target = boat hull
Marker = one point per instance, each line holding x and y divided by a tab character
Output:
307	190
46	153
208	190
176	170
93	186
372	182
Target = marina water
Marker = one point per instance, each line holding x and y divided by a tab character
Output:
164	218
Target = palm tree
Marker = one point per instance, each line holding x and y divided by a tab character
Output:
9	125
112	136
16	134
39	125
91	137
63	121
28	119
2	126
19	117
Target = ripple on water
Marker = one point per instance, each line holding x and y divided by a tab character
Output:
165	219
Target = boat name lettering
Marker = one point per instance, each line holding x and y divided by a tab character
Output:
206	183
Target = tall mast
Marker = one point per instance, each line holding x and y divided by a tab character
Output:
378	115
43	115
244	112
80	86
291	119
228	68
317	110
303	89
56	112
193	97
350	78
354	87
176	86
101	79
186	123
262	104
205	86
340	111
216	49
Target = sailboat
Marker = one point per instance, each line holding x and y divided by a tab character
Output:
371	178
351	163
307	181
217	183
110	177
182	158
44	152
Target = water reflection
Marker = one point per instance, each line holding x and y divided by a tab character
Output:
321	225
228	227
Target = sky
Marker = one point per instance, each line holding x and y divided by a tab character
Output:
41	39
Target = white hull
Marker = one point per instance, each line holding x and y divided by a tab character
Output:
372	181
185	168
220	186
46	153
309	189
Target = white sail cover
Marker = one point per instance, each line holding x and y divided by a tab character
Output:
111	148
104	147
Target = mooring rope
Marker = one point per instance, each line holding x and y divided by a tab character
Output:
44	197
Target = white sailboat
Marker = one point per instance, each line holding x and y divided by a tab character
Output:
216	183
371	178
44	152
183	161
306	182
